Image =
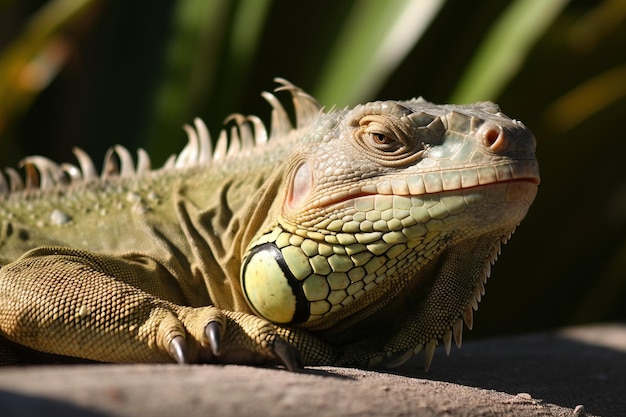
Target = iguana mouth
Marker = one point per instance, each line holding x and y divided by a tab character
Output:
338	202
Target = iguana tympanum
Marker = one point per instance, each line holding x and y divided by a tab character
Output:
357	237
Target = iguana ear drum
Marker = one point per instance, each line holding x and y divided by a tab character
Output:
271	288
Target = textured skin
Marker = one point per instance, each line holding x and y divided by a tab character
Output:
358	237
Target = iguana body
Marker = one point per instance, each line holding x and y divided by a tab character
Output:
358	237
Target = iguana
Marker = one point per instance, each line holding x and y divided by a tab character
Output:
357	237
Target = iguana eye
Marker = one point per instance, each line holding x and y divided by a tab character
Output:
386	140
384	143
381	139
377	139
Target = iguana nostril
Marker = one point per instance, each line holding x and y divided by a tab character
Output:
494	138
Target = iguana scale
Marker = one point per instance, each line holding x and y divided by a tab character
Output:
357	237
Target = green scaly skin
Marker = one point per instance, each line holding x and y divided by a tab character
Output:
358	237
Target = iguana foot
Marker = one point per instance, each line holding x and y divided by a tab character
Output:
286	354
231	337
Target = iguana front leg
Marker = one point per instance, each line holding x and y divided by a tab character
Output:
76	303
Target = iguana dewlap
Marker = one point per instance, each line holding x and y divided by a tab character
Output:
358	237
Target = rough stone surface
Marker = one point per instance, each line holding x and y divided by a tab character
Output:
547	374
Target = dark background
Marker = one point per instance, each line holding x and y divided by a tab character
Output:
97	73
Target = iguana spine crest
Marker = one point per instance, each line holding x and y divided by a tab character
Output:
246	133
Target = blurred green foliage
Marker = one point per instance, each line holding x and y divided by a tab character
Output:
94	73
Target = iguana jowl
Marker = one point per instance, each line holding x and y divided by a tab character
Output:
358	237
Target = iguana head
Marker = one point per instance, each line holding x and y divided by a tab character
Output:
392	203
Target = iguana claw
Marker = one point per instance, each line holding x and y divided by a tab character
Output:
289	356
213	332
178	350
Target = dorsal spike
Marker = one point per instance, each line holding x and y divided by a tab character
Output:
35	173
127	165
50	174
4	186
281	125
110	167
221	146
204	137
243	131
235	142
31	177
15	181
260	133
247	136
143	161
170	162
305	105
189	154
87	166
